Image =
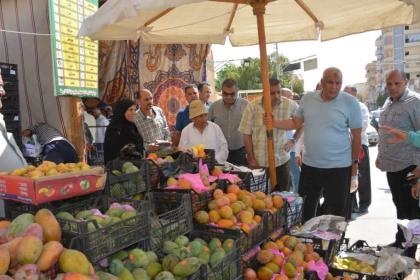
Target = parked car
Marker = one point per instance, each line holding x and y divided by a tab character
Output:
372	134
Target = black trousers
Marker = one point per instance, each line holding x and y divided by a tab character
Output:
364	190
332	183
407	207
284	180
238	157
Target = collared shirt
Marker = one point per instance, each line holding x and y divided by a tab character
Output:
101	123
326	126
403	114
212	138
229	118
152	128
182	119
46	134
252	124
365	123
414	138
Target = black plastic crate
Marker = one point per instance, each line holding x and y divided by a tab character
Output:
96	155
14	208
11	87
101	242
188	163
327	249
228	269
259	183
294	213
10	101
245	182
127	185
247	241
8	71
275	222
171	216
11	115
199	201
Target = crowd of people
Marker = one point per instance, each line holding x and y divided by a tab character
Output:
320	145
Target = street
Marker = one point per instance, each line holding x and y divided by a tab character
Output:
378	226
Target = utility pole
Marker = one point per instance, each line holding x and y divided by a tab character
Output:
278	68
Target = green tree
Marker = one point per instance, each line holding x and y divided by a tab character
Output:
249	77
297	86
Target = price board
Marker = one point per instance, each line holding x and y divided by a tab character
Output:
75	60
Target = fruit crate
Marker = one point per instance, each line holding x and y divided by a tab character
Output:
246	241
199	201
294	213
259	182
360	246
327	249
171	216
126	185
228	269
188	163
275	222
245	182
15	208
99	242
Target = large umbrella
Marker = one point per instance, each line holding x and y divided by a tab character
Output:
212	21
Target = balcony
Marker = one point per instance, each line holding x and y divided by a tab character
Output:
411	44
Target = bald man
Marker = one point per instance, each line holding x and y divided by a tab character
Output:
331	156
150	120
402	111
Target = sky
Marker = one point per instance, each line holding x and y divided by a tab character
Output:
350	54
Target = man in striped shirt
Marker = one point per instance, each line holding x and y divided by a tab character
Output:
55	147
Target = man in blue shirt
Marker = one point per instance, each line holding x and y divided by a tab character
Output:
183	117
332	128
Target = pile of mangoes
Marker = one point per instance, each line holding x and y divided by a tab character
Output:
49	168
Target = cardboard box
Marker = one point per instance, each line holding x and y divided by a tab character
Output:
52	188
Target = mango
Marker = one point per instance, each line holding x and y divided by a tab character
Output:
49	256
11	247
204	257
34	229
169	262
153	269
75	261
116	266
182	240
217	257
106	276
27	272
169	247
4	260
126	275
164	275
75	276
139	258
196	248
152	256
19	225
187	267
140	274
49	224
28	250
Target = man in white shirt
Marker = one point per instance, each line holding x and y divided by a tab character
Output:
202	131
101	123
364	190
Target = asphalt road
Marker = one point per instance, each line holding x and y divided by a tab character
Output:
378	226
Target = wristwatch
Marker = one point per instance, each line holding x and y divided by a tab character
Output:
355	161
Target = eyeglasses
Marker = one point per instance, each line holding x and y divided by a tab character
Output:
275	92
231	94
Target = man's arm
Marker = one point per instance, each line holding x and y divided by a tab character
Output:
356	145
290	124
249	150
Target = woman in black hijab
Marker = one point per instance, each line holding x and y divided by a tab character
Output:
122	130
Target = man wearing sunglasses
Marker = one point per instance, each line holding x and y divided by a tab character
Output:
255	137
227	114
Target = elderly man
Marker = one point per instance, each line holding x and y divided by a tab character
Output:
401	111
227	113
255	137
201	131
204	93
364	189
331	156
183	117
150	120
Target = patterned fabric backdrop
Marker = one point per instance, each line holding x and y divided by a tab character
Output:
163	69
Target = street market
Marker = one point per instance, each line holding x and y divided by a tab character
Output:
119	161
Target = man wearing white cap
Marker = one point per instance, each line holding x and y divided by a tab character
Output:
202	131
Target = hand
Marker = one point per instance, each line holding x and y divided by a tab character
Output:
415	191
354	169
288	146
378	163
354	183
398	136
416	172
252	162
268	119
298	160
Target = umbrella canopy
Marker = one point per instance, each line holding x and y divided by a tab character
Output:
212	21
204	21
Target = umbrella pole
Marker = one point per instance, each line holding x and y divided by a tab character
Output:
259	10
